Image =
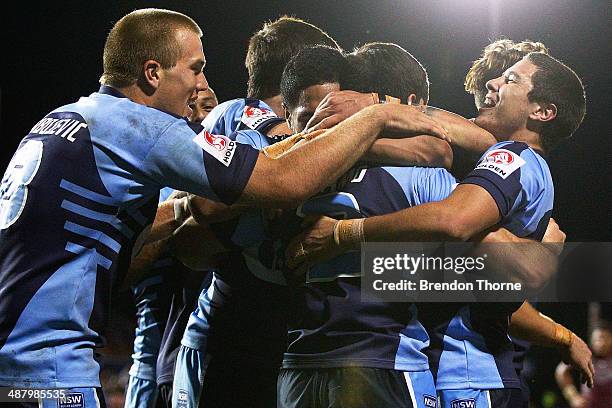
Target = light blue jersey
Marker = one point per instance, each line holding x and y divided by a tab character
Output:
472	349
76	199
331	327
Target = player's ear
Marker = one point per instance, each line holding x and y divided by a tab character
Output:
544	112
152	73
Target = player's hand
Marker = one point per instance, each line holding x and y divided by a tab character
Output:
579	356
205	211
313	245
554	237
337	106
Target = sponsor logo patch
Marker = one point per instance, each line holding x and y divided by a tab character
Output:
430	401
220	147
253	117
71	400
463	403
501	162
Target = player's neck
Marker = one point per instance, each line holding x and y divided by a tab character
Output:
276	103
529	137
135	94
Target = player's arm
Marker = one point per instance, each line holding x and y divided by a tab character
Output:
463	132
420	151
529	324
306	170
141	264
425	151
174	213
532	263
468	210
196	246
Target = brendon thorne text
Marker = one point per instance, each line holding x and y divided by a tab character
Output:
424	285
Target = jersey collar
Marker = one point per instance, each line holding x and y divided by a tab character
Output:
109	90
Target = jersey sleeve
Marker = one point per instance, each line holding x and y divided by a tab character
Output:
252	138
241	114
213	166
499	172
438	186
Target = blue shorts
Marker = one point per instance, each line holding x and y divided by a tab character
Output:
188	377
355	387
88	397
141	393
470	398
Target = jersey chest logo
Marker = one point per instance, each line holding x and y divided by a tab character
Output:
220	147
253	117
501	162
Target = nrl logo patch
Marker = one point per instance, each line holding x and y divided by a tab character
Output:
501	162
253	117
220	147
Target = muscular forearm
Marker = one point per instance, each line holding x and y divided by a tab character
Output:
466	212
462	132
426	151
306	170
142	262
529	324
169	217
529	262
196	246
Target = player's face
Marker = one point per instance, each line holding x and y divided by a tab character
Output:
506	109
309	100
205	102
179	85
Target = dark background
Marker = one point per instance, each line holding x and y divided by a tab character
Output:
52	54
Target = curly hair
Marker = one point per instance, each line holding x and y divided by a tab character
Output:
496	58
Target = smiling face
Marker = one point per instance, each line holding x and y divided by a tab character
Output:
205	102
180	84
298	117
507	108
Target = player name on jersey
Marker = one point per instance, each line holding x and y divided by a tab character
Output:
65	128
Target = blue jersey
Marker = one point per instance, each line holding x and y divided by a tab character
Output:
241	314
472	348
77	197
240	114
332	327
152	304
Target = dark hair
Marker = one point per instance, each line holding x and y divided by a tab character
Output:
387	69
271	48
554	82
311	66
147	34
496	58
